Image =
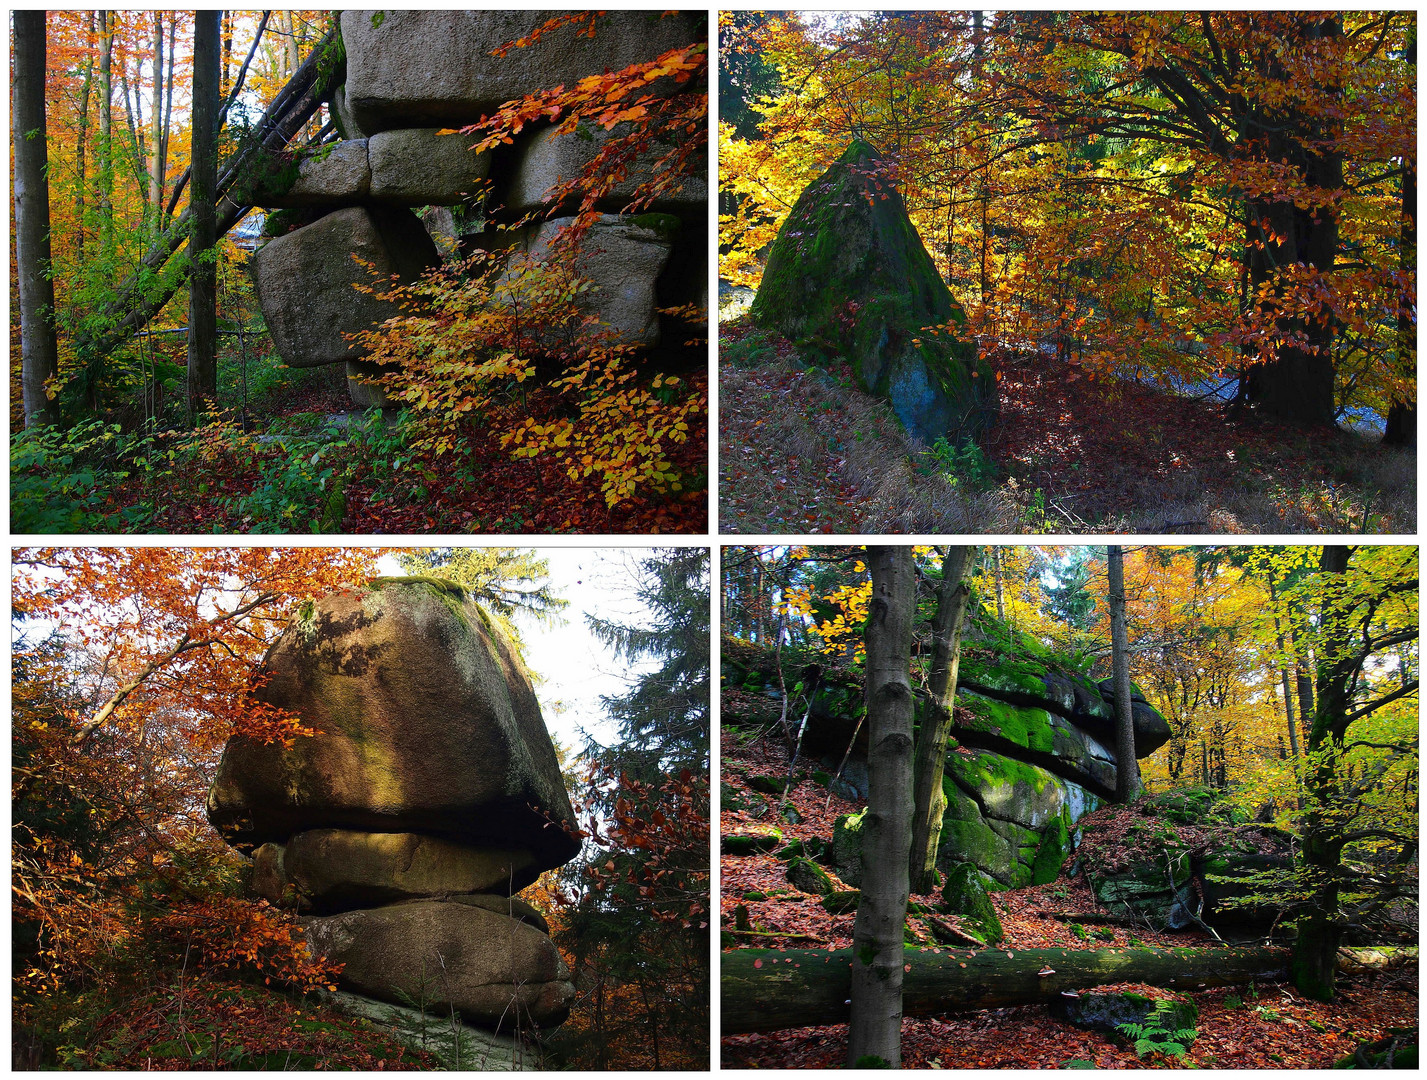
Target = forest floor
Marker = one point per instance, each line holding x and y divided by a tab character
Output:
802	450
1267	1026
314	464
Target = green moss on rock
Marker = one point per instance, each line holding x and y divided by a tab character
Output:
965	894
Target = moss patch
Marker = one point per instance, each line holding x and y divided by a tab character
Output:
965	894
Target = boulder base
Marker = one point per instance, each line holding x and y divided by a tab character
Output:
306	279
493	970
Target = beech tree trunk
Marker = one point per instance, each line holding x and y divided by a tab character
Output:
1127	766
80	164
156	167
203	282
875	995
39	349
929	759
800	987
104	152
1401	426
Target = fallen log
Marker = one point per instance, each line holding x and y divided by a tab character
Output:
767	990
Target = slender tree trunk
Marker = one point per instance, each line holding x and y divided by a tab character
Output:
1284	669
168	110
156	176
1000	588
928	799
138	150
875	1034
81	164
1127	766
39	349
105	150
203	284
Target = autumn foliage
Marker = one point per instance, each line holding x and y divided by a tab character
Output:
1192	197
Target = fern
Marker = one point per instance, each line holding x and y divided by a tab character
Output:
1155	1036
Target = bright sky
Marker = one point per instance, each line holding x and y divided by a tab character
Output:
573	668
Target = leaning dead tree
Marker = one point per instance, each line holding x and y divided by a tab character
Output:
140	298
768	990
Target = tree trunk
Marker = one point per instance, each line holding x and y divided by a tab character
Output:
875	1036
1319	932
39	349
929	760
1000	589
104	156
1401	427
1127	766
800	987
1288	688
156	175
203	282
1297	384
80	150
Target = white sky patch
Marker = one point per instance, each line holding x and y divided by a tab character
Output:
573	668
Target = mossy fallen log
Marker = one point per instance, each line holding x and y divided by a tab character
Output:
767	990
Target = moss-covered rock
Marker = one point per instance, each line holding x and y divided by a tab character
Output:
964	894
808	876
765	785
841	902
849	276
751	840
1055	846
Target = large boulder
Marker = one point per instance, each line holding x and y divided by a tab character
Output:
426	723
336	869
493	970
417	68
622	257
848	276
306	280
553	157
336	174
420	167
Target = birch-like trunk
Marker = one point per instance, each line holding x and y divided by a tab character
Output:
875	1033
1127	767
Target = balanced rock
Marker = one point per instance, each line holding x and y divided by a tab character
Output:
420	167
493	970
848	276
337	869
306	279
416	68
426	723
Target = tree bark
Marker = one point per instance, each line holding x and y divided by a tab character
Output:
1319	932
81	166
39	348
875	1036
104	152
203	281
929	759
1127	766
1283	671
1401	426
800	987
156	167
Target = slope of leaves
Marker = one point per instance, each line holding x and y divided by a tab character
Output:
1268	1026
804	451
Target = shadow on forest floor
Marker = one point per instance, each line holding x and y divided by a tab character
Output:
803	451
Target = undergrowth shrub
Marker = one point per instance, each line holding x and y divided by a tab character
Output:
508	341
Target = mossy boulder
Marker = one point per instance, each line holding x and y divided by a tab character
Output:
841	902
751	840
848	276
1106	1011
809	877
425	723
964	894
1051	856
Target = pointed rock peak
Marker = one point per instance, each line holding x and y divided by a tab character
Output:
859	151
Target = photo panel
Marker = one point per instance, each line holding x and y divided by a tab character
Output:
1067	272
361	808
1008	806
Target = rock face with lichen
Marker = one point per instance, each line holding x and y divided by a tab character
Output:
412	78
848	276
428	796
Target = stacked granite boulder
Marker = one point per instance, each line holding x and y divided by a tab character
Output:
429	797
409	76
